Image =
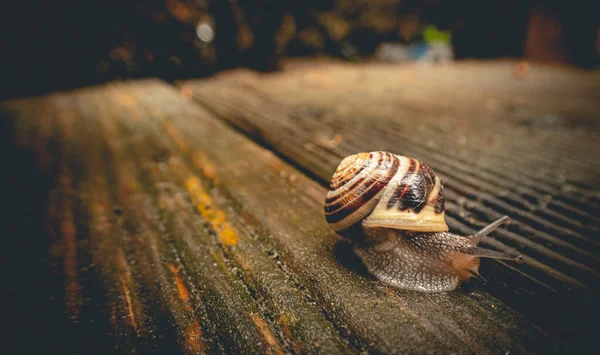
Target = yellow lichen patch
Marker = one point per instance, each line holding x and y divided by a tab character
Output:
208	211
227	234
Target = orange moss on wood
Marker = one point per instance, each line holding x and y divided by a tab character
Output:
266	335
216	217
193	333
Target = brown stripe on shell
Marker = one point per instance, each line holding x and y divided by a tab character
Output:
347	174
347	170
404	185
347	209
439	203
428	185
414	191
436	197
362	190
368	170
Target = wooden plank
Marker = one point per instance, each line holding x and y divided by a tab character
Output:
437	322
503	145
203	240
152	151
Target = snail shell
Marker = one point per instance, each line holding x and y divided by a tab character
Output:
391	191
392	208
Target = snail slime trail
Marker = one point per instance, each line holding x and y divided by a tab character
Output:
392	209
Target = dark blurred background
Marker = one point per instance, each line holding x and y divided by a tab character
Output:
52	45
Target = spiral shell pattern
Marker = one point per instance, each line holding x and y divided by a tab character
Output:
385	190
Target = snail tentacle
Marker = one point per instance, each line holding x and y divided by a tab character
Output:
488	253
477	275
493	254
488	229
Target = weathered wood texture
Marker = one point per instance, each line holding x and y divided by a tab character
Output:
505	141
168	231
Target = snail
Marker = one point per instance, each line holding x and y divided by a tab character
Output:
392	208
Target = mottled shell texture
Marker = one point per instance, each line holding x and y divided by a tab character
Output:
385	190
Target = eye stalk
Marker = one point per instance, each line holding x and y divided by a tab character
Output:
492	254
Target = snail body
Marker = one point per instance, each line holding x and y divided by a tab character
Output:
392	208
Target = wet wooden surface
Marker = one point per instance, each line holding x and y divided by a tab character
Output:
190	219
506	139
